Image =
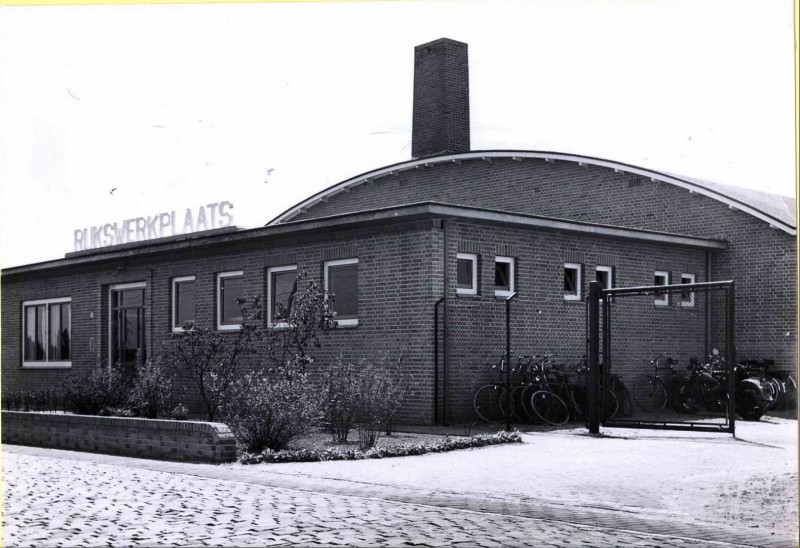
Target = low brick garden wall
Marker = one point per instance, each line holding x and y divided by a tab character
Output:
208	442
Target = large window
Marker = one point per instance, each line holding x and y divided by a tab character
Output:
503	276
47	333
281	287
230	288
183	300
466	274
687	297
572	281
661	277
341	281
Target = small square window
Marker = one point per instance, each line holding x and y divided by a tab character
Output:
687	296
605	275
572	281
230	290
467	274
503	276
281	288
341	280
662	297
183	301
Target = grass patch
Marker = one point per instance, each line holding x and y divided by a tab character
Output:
386	451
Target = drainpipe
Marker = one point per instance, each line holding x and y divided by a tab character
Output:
708	303
445	325
436	361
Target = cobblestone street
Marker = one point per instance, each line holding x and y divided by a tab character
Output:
60	498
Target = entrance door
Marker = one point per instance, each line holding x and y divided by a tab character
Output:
126	335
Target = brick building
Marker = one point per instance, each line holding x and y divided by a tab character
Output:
447	234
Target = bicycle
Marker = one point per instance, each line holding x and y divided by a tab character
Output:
545	403
650	392
577	395
490	401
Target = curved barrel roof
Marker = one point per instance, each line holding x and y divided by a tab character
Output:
777	211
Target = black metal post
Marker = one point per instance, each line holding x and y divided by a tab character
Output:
730	350
594	350
508	361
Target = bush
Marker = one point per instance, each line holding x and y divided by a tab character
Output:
151	389
87	392
372	393
180	412
269	410
341	386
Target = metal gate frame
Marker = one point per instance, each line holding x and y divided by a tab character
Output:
598	295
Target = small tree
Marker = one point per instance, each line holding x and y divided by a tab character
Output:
211	359
305	320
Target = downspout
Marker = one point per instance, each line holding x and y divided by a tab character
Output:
708	303
445	325
436	361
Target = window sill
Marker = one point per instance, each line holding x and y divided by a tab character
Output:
466	292
47	365
502	293
229	328
346	324
573	298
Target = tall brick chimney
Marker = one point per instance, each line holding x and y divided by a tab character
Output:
441	99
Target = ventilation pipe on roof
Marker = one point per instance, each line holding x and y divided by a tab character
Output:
441	99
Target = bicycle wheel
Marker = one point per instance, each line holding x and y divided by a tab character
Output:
489	403
525	403
650	394
623	397
518	411
748	403
609	404
549	407
577	399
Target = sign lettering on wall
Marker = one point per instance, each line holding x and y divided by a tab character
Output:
161	225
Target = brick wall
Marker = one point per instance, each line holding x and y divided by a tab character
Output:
542	321
154	439
761	260
397	289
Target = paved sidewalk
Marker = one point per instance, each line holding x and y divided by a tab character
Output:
62	498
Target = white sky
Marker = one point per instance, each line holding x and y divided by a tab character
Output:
178	106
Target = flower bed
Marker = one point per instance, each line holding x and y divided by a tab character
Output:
404	450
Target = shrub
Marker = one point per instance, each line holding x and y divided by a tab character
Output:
341	386
269	410
151	389
30	400
211	359
87	392
180	412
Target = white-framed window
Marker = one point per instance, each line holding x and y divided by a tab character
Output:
466	274
605	275
281	287
503	276
230	288
661	277
572	281
47	333
183	302
687	297
341	281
